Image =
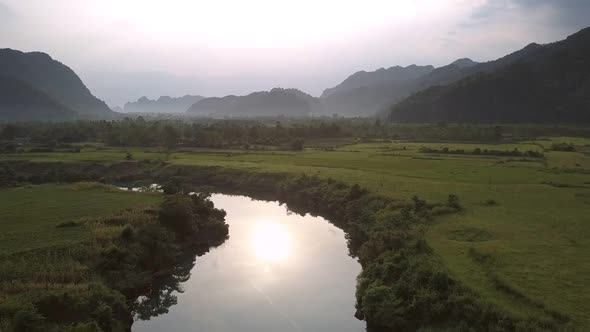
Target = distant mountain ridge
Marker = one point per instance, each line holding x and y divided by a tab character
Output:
368	93
164	104
363	79
278	101
464	63
539	83
56	80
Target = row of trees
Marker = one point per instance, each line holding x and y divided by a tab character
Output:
245	133
170	133
486	152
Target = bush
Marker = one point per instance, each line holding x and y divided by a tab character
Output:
127	233
296	144
568	147
105	307
176	213
491	202
28	320
84	327
68	224
442	210
453	202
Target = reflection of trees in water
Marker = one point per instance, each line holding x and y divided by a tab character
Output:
164	287
162	295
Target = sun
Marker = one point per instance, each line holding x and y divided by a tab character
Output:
271	242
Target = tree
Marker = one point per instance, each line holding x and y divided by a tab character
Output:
419	204
171	136
453	201
296	144
176	213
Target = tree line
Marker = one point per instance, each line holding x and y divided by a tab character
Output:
283	132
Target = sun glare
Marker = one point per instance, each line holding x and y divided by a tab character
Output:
271	242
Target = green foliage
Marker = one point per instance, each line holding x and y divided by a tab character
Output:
27	320
296	144
568	147
86	285
84	327
388	174
478	151
30	225
99	304
453	202
177	214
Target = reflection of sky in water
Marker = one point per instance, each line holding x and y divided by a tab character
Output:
277	272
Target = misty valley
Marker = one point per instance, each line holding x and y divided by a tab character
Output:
242	166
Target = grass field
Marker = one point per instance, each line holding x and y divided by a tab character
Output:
530	217
30	216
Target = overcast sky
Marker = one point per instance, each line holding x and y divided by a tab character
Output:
124	49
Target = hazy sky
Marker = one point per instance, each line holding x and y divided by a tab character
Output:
124	49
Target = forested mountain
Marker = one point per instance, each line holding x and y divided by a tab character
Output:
363	79
365	93
20	101
53	78
164	104
288	102
540	83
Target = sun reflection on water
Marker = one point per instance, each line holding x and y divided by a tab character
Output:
271	243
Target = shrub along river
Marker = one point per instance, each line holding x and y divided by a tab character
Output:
278	271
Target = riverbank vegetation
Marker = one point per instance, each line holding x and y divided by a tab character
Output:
77	256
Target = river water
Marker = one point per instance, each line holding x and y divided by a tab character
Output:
278	271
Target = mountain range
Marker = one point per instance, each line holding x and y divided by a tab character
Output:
538	84
164	104
278	101
37	74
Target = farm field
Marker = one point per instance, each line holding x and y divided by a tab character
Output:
528	217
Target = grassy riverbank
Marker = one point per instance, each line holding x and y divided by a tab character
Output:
75	256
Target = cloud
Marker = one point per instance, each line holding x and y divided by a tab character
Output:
558	14
6	13
494	28
569	14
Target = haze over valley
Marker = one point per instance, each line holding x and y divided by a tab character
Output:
361	94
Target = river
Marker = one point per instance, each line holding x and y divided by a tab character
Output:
278	271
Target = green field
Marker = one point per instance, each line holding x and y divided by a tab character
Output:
31	216
530	217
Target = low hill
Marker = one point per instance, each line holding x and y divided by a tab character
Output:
55	79
20	101
540	83
288	102
164	104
